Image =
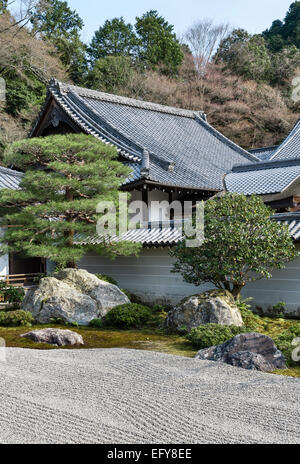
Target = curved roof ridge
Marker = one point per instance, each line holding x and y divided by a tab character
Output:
288	139
225	139
87	126
104	120
267	164
108	97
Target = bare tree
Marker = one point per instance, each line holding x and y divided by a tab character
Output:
23	10
204	37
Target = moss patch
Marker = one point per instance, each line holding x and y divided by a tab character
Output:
96	338
292	372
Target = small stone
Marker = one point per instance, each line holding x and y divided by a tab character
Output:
55	337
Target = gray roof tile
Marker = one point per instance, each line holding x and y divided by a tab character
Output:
265	178
292	220
264	153
201	154
290	147
9	179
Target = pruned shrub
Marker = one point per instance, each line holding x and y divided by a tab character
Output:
284	343
96	323
128	316
207	335
107	278
252	321
16	318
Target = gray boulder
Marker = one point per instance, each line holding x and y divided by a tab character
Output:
55	337
106	295
73	296
248	351
213	306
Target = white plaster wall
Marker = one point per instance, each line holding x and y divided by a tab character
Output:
283	286
147	275
158	212
4	260
4	265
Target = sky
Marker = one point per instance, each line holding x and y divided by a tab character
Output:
252	15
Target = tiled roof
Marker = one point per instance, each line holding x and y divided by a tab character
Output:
263	178
9	179
156	236
201	154
292	220
169	236
290	147
263	153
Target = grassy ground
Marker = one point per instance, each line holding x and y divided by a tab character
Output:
144	339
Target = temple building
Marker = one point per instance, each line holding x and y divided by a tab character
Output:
174	154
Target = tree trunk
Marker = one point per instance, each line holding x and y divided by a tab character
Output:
236	291
69	234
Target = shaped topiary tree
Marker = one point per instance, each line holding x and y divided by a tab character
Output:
242	244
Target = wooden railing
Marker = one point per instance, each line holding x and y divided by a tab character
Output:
19	280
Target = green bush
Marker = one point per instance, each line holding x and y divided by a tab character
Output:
284	343
127	293
252	321
107	278
12	295
207	335
16	318
128	316
97	323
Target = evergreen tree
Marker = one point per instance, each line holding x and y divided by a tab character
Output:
66	177
282	34
61	26
246	55
114	38
158	45
110	74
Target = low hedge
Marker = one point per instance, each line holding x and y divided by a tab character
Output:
207	335
16	318
128	316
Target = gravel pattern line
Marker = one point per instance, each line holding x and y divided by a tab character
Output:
131	396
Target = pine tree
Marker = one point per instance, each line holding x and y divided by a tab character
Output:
66	176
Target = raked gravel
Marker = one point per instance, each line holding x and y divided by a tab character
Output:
130	396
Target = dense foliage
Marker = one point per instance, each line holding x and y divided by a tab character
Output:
245	88
284	343
66	177
11	294
208	335
127	316
16	318
242	244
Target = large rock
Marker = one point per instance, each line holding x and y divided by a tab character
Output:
213	306
73	295
106	295
54	337
248	350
